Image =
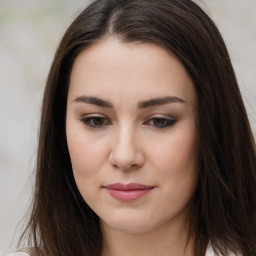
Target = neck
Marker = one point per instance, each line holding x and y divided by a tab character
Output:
167	240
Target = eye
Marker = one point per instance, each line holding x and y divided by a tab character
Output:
161	122
95	121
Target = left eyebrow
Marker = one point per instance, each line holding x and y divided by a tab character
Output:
159	101
94	100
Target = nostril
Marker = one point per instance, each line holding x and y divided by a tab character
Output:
126	161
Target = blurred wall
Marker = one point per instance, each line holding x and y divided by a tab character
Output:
29	33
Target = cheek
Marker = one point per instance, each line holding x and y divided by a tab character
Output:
87	154
177	162
177	151
87	162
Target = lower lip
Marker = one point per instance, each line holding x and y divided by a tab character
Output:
128	195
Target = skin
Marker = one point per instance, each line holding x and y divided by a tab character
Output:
154	145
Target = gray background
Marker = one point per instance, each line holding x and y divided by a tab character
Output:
29	34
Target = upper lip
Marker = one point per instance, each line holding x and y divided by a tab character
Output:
130	186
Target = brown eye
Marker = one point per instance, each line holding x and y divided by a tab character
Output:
161	122
95	121
98	121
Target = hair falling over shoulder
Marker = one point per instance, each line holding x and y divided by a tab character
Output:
223	212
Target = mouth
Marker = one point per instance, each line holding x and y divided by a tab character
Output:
128	192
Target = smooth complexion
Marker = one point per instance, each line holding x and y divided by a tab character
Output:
130	122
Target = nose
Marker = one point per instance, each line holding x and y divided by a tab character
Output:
125	153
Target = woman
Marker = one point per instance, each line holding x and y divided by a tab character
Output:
145	147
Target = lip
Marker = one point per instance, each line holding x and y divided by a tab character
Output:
127	192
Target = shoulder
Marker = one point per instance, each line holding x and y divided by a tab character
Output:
210	252
30	251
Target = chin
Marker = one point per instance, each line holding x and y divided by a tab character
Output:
134	228
130	224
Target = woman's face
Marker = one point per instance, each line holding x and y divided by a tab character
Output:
131	135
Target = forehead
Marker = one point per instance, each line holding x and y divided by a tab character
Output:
110	67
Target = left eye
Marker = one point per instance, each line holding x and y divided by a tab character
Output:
161	122
95	121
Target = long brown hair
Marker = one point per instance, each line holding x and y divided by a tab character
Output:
224	205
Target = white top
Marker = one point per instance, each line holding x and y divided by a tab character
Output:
208	253
25	254
18	254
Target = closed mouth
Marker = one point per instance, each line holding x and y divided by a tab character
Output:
128	192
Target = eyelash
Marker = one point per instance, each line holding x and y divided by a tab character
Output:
165	122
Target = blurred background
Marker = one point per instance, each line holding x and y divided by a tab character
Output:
29	34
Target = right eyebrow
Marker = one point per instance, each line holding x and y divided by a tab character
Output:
94	101
160	101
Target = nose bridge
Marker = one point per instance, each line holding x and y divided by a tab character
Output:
125	143
125	152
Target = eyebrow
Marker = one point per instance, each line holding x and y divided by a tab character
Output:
160	101
143	104
94	101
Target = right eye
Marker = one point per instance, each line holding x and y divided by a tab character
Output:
95	121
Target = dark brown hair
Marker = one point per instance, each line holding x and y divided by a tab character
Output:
223	211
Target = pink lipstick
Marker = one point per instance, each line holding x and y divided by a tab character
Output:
128	192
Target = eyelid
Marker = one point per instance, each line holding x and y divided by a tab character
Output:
94	115
164	116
